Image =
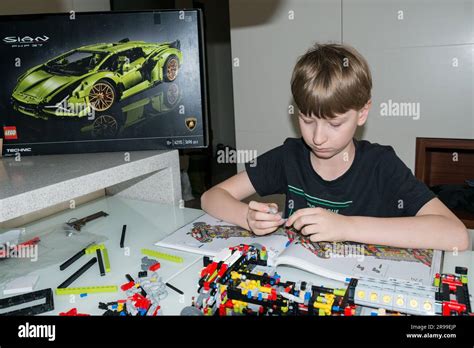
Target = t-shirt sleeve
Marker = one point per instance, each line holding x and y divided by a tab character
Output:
401	192
267	173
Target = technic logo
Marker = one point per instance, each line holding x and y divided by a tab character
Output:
19	149
9	133
25	39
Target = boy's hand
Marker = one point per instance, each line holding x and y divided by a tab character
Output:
263	218
320	224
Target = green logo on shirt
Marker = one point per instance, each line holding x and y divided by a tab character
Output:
318	202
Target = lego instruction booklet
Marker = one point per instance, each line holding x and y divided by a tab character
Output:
207	235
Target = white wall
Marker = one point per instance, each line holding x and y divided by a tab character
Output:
411	61
10	7
267	43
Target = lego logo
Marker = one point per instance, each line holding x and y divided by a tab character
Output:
10	133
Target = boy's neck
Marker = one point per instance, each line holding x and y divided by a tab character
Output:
332	168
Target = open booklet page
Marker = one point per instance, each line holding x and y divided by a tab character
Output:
346	259
207	235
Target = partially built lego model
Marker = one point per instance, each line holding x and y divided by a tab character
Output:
237	281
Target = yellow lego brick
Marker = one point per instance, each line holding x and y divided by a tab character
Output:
93	248
324	306
160	255
86	290
105	254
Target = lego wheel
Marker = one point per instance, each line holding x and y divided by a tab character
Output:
102	96
105	126
171	68
172	95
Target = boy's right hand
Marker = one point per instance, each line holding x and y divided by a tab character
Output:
264	218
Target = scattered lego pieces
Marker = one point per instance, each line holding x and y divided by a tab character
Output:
143	296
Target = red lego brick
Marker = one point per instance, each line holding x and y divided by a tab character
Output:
154	267
127	286
222	270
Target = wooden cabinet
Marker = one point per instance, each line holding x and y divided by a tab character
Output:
446	161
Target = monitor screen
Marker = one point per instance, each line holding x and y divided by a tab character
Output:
108	81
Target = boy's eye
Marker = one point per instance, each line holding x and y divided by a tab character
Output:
335	125
307	119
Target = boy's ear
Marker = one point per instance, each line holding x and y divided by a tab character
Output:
363	113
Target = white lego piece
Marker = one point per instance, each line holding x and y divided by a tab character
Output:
235	256
223	255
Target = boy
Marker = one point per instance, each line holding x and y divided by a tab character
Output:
337	188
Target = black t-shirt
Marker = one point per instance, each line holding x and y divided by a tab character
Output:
377	184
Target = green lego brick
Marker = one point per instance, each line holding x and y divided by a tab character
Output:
87	290
93	248
163	256
105	254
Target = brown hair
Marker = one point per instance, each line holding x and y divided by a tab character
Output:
331	79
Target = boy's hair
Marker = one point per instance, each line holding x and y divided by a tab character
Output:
331	79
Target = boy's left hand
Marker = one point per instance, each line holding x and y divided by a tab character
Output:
320	224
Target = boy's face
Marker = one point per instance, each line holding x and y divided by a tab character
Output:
328	137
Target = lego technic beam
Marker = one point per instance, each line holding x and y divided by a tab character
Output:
17	300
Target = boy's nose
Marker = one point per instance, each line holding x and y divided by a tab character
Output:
319	137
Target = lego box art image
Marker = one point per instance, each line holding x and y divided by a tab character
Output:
112	81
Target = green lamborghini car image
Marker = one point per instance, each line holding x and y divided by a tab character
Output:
94	77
